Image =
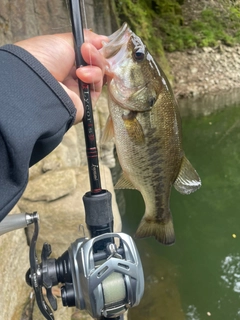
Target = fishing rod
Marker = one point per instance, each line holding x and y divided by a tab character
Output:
85	95
102	275
97	202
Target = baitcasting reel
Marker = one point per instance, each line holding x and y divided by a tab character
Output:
103	282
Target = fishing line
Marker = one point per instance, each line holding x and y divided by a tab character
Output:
85	25
84	14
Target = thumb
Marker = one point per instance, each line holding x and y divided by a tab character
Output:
76	101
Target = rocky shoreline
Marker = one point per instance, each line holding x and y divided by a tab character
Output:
205	70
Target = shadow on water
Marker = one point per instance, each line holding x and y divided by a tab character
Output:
199	277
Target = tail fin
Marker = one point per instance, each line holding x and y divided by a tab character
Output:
162	231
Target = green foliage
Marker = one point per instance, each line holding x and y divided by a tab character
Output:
160	24
144	17
206	31
138	15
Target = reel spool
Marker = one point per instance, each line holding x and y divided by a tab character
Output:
108	282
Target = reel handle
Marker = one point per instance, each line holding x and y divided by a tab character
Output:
33	277
89	279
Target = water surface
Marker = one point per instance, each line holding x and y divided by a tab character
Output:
199	277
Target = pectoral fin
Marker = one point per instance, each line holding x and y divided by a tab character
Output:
133	127
124	183
108	132
187	180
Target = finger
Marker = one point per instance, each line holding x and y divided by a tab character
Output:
92	75
72	73
88	74
71	91
93	57
95	39
90	37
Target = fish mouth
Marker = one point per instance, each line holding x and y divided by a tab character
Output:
119	32
118	52
116	41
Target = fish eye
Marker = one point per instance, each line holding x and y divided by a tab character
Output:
139	55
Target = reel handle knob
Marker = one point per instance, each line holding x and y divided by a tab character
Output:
34	275
48	281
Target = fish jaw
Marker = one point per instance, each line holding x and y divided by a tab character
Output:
133	90
118	56
117	41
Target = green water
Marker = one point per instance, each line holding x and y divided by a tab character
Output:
199	277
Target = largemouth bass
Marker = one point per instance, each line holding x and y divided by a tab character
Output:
145	123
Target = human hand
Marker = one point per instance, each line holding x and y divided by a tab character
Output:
56	53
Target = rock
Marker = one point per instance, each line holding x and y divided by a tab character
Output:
62	313
65	155
58	182
81	144
70	141
26	19
194	51
60	219
208	64
51	185
194	70
80	315
207	49
53	161
14	292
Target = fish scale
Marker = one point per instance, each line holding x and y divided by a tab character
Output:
145	123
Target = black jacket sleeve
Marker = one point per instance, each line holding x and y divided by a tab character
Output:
35	112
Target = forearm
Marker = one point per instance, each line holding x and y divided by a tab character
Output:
35	114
